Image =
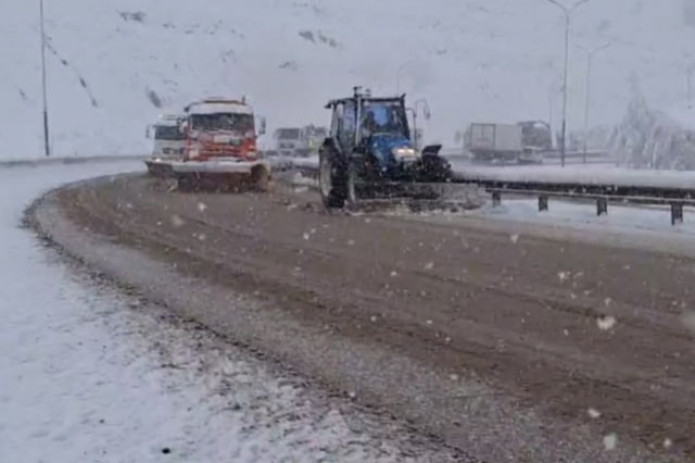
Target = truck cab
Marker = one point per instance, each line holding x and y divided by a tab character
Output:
288	141
218	128
168	141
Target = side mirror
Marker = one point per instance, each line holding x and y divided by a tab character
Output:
147	131
183	126
426	112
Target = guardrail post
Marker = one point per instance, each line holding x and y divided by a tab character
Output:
676	213
496	198
601	206
542	203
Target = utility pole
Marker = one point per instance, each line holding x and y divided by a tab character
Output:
553	90
568	18
589	64
689	83
46	143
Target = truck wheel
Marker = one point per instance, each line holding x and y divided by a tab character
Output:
332	181
260	178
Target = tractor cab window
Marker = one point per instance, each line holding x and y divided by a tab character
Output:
383	117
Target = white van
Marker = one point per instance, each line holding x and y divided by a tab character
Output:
169	139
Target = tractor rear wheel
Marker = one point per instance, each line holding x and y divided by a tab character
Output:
351	180
333	181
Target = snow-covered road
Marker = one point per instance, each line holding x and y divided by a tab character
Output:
91	374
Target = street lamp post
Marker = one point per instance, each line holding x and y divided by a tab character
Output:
589	64
552	91
568	16
689	83
46	144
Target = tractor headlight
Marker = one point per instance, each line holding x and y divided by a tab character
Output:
404	153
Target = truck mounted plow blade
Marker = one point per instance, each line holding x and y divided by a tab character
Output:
158	168
220	176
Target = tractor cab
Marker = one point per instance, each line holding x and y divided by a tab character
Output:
363	123
370	146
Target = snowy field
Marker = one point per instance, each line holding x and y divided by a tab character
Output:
89	374
114	66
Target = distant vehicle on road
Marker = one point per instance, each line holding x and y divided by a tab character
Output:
168	140
220	148
299	141
524	142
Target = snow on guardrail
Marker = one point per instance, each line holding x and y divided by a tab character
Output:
590	175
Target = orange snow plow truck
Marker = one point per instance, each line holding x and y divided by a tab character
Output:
220	148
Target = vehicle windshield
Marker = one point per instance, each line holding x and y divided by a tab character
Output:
168	132
223	121
388	117
288	134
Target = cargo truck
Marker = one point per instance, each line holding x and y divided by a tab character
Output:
492	142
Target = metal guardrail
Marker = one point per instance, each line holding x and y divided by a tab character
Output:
602	194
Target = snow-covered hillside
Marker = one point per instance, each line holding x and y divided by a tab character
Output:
112	63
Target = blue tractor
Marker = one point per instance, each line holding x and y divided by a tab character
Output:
369	154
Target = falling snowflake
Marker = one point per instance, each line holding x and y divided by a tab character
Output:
610	441
176	221
563	275
352	394
429	265
514	238
394	273
429	322
351	242
606	322
202	207
202	237
454	377
607	301
566	332
668	443
593	413
306	236
373	319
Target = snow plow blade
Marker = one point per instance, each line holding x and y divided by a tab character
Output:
221	176
417	197
159	168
